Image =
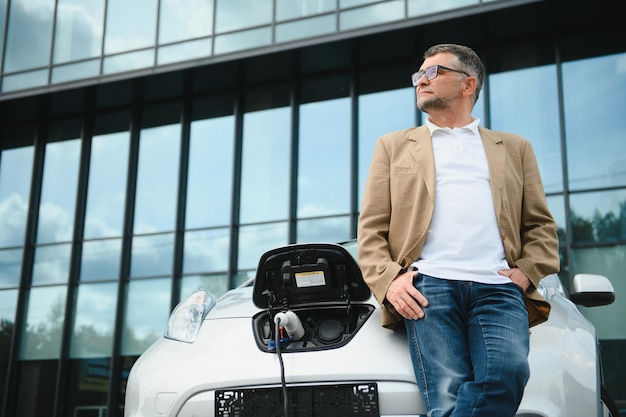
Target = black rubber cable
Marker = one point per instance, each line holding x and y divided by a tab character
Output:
282	368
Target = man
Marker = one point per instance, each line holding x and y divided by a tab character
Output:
454	237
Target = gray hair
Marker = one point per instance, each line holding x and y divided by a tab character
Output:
468	59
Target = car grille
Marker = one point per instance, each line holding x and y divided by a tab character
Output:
337	400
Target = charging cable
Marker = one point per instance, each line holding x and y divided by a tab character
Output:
289	322
282	367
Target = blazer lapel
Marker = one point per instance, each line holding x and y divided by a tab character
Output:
422	151
496	160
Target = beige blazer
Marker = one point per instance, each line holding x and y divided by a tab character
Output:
398	203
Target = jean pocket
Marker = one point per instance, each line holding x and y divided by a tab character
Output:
418	277
518	288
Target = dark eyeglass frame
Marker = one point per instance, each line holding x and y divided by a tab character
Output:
432	72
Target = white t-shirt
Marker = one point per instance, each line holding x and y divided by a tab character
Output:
463	241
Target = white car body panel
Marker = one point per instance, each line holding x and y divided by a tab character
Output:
563	366
174	378
187	374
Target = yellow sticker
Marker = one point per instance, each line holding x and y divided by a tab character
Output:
310	279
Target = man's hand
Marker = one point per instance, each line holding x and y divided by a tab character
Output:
405	298
517	276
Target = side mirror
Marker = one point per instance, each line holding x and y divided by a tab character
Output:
592	290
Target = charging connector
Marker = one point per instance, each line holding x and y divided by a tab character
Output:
291	323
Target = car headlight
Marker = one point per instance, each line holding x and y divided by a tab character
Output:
186	319
551	286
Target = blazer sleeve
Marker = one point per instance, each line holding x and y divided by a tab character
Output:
539	254
375	259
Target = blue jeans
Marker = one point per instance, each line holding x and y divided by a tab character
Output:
470	351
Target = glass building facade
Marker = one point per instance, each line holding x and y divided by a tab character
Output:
150	147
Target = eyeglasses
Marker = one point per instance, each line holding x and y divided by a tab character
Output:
431	73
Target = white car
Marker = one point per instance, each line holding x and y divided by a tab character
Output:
304	338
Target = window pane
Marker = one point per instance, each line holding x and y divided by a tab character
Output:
525	102
88	386
106	198
254	241
607	261
352	3
16	167
289	9
265	185
130	25
184	51
372	15
305	28
152	255
598	216
423	7
35	390
58	192
243	40
128	62
70	72
206	250
324	158
8	305
10	267
240	14
596	154
147	311
78	31
217	284
100	259
333	229
45	314
29	34
209	186
126	363
155	207
185	19
400	111
25	80
52	264
94	321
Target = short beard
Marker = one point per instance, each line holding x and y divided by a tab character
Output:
435	103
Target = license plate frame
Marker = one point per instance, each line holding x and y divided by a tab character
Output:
330	400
